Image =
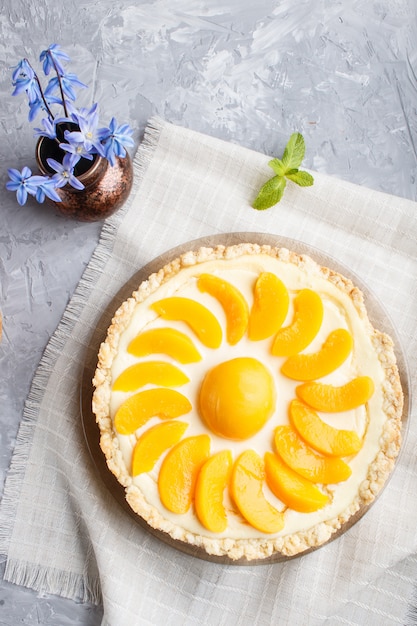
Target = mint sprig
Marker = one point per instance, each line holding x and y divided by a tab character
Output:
286	168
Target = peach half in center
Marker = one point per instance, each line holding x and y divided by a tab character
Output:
237	398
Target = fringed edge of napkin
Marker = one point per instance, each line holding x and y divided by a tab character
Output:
84	588
56	582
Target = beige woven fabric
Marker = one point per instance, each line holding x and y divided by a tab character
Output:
62	530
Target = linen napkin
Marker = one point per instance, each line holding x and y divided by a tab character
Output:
63	531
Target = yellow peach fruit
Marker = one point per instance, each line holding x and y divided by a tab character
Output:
321	436
331	355
153	443
331	399
157	402
269	308
308	317
232	301
179	472
292	489
198	317
246	483
305	461
212	480
149	372
169	341
237	398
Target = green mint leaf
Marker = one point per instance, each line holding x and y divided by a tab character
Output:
286	168
294	152
278	167
304	179
270	193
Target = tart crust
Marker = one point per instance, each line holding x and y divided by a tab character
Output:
260	548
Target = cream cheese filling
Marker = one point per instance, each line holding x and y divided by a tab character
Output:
339	312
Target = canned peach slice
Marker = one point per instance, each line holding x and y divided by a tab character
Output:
179	472
157	402
234	305
301	458
246	484
169	341
321	436
306	323
269	308
212	481
331	399
296	492
153	443
333	353
149	372
198	317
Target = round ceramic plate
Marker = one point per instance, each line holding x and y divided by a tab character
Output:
377	315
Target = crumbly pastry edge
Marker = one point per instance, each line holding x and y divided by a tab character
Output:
249	549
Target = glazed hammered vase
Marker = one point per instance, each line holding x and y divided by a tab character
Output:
106	187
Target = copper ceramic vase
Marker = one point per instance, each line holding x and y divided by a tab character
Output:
106	187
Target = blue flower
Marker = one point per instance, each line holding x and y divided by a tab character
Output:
77	148
23	183
25	79
78	113
49	129
28	83
22	69
34	108
114	139
46	188
55	100
73	112
87	136
65	171
68	82
53	54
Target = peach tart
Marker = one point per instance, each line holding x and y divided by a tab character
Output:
246	403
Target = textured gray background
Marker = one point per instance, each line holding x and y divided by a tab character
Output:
252	72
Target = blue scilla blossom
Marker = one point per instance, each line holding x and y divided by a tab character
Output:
73	112
115	139
65	171
84	114
46	187
55	99
48	130
22	69
28	83
52	57
25	79
34	108
77	148
23	183
68	82
88	135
